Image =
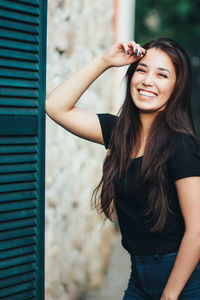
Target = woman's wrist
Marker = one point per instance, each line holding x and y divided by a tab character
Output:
169	294
104	61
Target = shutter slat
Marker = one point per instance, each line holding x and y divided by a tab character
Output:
16	73
17	224
18	102
23	259
21	177
17	289
17	187
18	45
25	195
19	92
18	149
16	16
18	215
29	2
27	9
18	140
17	159
19	125
17	205
14	54
17	168
20	111
18	251
5	23
17	243
9	235
9	82
18	36
19	64
17	270
17	279
22	296
28	295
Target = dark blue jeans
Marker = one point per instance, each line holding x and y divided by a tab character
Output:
149	275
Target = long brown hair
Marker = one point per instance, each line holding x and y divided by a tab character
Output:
126	136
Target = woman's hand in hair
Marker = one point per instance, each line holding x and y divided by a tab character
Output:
121	54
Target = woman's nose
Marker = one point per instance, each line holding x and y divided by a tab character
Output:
148	80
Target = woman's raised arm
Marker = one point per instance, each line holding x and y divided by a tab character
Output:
60	104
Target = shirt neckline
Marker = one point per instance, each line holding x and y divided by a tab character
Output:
132	159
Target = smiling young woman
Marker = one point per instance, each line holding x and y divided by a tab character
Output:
151	173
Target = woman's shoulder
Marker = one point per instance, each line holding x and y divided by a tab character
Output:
185	143
107	117
107	122
185	160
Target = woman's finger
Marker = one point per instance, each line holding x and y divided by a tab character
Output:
133	49
139	51
143	51
126	48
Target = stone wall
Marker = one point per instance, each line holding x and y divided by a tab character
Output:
77	243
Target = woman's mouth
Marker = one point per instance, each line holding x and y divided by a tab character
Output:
148	94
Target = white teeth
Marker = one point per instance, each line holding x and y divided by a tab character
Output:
147	94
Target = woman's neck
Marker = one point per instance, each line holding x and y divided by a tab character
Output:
147	120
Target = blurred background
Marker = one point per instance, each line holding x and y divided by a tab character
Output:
84	258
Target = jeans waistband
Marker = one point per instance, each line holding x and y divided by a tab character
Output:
152	256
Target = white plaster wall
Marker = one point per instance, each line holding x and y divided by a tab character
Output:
77	245
124	31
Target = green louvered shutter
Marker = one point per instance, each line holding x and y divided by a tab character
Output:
22	143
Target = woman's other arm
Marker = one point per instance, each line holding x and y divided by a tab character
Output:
188	256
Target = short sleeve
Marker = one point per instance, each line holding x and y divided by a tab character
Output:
107	122
185	161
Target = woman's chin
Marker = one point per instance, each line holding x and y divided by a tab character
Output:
144	109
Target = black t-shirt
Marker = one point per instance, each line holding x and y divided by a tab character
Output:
130	201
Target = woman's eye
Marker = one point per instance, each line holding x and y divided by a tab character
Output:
162	75
140	70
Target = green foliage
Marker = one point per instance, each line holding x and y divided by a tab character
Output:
179	20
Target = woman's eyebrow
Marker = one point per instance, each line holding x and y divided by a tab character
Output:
143	65
162	69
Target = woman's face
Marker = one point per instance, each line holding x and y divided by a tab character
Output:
153	81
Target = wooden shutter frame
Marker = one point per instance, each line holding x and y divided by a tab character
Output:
41	169
38	126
